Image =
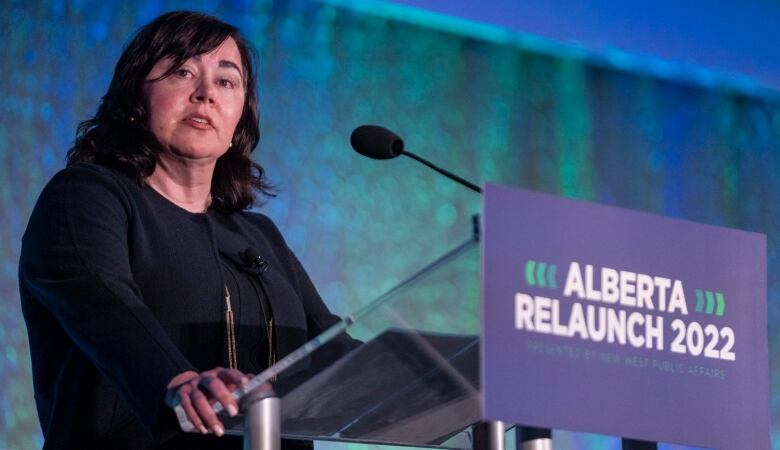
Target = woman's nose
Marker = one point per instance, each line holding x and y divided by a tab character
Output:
204	92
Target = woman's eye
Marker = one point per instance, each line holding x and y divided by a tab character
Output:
183	73
226	83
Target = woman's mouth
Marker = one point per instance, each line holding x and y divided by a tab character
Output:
199	122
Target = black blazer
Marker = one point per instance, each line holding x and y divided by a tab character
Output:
119	287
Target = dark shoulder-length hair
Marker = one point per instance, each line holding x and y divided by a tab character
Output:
119	136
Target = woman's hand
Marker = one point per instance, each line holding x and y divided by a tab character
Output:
195	391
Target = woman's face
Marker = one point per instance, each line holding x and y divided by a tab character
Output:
195	110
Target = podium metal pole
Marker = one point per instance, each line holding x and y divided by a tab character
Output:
262	426
488	436
528	438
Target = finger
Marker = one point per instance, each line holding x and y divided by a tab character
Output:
206	412
266	387
189	410
205	384
220	391
232	385
233	376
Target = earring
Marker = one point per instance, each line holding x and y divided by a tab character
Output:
132	119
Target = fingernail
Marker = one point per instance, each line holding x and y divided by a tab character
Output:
218	430
232	410
204	430
244	380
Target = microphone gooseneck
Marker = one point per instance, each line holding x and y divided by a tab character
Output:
380	143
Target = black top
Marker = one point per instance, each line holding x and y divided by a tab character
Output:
122	290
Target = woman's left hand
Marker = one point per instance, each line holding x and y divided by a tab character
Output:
195	391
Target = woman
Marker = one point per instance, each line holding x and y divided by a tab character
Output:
141	272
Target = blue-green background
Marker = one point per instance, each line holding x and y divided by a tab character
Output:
487	105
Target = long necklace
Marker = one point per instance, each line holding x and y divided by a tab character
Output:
269	321
231	333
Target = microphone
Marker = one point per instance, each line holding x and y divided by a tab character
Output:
380	143
255	263
376	142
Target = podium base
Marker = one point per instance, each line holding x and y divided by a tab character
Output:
262	426
488	436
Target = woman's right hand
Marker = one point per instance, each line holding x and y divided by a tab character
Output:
195	392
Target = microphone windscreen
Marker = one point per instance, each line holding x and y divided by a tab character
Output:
376	142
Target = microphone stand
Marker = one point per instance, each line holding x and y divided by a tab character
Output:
446	173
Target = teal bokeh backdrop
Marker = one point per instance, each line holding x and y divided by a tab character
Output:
489	110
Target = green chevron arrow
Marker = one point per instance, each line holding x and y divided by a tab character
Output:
529	272
710	302
540	274
540	268
721	303
699	300
551	270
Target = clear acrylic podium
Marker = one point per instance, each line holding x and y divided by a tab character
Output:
404	370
